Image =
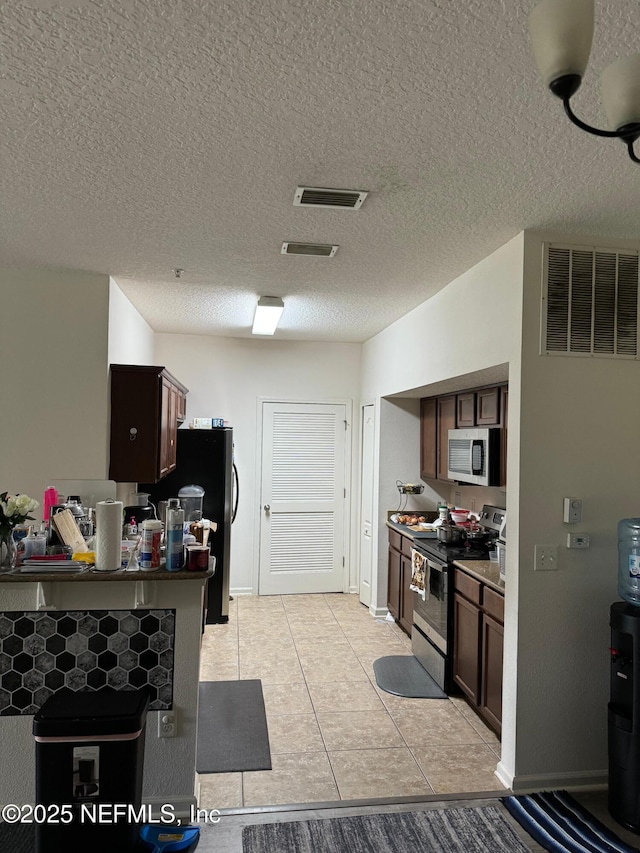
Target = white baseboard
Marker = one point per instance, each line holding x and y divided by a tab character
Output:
378	612
586	780
241	590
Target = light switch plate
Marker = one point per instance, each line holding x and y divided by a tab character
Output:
545	558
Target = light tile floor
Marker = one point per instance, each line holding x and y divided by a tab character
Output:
334	735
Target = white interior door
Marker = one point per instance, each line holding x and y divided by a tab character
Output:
302	529
366	503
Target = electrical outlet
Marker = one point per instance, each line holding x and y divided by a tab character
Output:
167	723
472	505
457	499
545	558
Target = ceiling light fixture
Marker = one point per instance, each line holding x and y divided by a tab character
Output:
561	33
268	312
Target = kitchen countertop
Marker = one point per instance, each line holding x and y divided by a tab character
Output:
88	576
486	571
405	530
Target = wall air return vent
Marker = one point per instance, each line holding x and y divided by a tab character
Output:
589	302
320	250
322	197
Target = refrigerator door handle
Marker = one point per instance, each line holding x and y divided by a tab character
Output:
236	489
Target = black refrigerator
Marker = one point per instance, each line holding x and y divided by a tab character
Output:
204	457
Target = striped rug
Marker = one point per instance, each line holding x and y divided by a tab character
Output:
561	825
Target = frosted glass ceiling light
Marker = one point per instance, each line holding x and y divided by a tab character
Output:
268	312
561	33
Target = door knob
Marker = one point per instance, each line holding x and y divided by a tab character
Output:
267	508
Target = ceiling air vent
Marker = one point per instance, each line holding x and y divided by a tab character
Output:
322	197
590	302
320	250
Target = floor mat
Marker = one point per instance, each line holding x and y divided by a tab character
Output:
561	825
403	675
463	830
232	727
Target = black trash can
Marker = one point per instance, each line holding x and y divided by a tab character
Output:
89	762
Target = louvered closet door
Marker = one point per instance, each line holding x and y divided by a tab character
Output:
303	498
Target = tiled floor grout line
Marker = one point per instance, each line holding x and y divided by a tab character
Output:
315	713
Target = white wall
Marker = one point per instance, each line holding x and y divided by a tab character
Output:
226	378
53	382
471	325
130	336
578	438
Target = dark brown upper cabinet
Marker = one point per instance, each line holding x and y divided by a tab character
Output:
147	404
466	410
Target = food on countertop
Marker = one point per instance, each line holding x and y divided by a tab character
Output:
411	519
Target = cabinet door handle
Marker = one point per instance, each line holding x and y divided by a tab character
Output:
267	508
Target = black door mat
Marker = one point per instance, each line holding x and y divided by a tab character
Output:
232	727
403	675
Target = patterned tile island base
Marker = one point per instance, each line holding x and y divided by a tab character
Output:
41	652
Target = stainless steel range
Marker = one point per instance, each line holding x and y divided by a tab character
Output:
432	629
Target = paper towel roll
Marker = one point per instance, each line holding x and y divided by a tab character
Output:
108	535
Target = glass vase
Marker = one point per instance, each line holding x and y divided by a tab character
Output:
8	552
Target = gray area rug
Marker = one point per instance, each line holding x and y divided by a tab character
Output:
403	675
232	727
465	830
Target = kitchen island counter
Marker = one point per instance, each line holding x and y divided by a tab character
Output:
96	626
88	575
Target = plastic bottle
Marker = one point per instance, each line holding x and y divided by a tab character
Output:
174	534
151	530
629	560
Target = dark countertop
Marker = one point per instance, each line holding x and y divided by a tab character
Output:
405	530
486	571
87	576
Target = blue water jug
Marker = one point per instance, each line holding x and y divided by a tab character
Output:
629	560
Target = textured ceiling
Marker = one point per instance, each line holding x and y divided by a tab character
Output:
140	136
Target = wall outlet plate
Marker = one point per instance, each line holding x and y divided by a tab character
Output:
167	723
545	558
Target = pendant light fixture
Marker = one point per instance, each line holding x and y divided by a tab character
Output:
561	33
268	312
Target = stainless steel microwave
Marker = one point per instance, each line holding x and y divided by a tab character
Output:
474	456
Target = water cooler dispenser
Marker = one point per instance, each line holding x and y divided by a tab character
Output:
624	716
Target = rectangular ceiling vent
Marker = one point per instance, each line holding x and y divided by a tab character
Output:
320	250
590	302
322	197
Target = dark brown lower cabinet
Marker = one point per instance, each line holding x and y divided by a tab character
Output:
466	647
478	646
393	583
405	617
399	596
491	692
